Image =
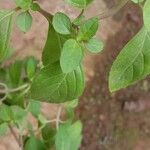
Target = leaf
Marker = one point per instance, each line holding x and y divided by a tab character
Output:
5	113
24	21
34	107
53	46
88	29
69	137
146	14
78	3
94	46
5	29
3	129
48	134
15	73
71	56
133	62
30	67
19	114
62	23
34	144
51	85
24	4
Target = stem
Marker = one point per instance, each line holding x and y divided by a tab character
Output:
112	11
46	14
58	117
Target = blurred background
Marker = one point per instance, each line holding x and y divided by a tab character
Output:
118	121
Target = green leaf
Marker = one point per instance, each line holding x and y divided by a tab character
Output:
88	29
31	65
5	29
35	108
15	73
78	3
94	46
34	144
53	86
53	46
19	114
3	129
71	56
24	21
146	14
24	4
133	62
5	113
62	23
69	137
48	134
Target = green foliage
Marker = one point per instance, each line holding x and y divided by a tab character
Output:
24	21
59	78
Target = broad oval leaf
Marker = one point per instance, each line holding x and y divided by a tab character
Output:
24	21
5	29
52	85
71	56
62	23
94	45
88	29
133	62
146	14
69	136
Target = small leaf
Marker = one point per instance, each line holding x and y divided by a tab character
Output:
51	85
62	23
3	129
5	29
15	73
31	65
133	62
71	56
34	144
24	21
88	29
69	136
24	4
146	14
94	46
34	107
